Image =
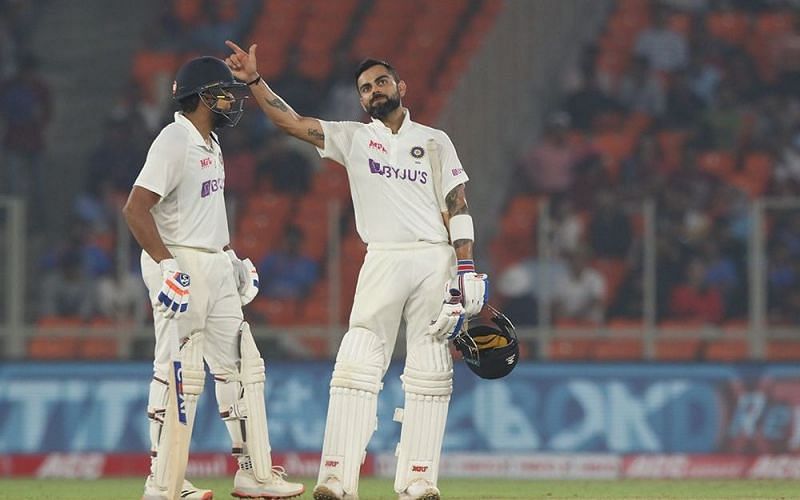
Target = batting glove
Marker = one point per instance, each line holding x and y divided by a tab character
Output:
246	276
451	317
474	287
173	298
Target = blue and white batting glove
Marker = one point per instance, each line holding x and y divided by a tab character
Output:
451	318
173	298
246	277
474	287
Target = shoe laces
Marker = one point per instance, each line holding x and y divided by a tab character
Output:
279	473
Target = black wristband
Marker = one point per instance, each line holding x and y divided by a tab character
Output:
258	79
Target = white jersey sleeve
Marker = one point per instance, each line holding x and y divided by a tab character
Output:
338	140
453	172
163	167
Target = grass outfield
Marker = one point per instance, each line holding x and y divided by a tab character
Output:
452	489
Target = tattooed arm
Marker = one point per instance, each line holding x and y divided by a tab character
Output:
243	65
456	201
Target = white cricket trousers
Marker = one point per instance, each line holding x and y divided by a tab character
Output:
403	281
214	307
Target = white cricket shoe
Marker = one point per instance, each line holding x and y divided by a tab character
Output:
188	491
420	489
330	489
245	485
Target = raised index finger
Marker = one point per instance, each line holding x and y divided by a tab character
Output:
238	50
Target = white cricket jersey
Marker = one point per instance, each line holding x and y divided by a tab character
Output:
189	175
390	178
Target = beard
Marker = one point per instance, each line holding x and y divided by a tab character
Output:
381	110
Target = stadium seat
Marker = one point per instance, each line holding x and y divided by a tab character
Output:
330	182
774	23
758	164
725	350
613	147
783	350
680	22
49	347
98	348
730	26
276	206
625	325
720	163
570	349
617	350
277	312
677	349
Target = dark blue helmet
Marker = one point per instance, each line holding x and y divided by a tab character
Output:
211	79
489	344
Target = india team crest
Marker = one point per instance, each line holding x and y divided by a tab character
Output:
417	152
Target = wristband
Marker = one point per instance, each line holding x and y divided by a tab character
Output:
461	228
258	79
465	266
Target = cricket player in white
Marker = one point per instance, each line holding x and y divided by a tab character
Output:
176	211
409	273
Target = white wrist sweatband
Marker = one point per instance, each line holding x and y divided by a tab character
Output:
461	228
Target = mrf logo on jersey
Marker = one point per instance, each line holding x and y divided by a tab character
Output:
377	146
403	174
211	186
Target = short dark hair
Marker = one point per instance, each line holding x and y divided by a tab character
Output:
189	103
370	62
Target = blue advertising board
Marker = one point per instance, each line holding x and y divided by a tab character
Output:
617	408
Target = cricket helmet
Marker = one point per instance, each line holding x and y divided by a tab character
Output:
489	344
211	79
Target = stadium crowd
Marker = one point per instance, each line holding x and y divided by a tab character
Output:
691	103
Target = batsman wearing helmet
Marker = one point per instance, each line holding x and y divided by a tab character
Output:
197	284
409	267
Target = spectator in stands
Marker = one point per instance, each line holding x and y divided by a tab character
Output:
589	102
122	295
567	225
285	272
723	275
665	49
524	284
578	75
684	107
609	233
641	90
783	283
547	167
641	173
788	168
25	110
726	119
694	300
68	291
579	293
341	102
702	76
286	169
117	158
515	286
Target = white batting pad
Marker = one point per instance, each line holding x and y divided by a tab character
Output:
253	375
423	419
353	407
172	450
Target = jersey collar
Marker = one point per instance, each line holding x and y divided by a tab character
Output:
193	132
403	126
